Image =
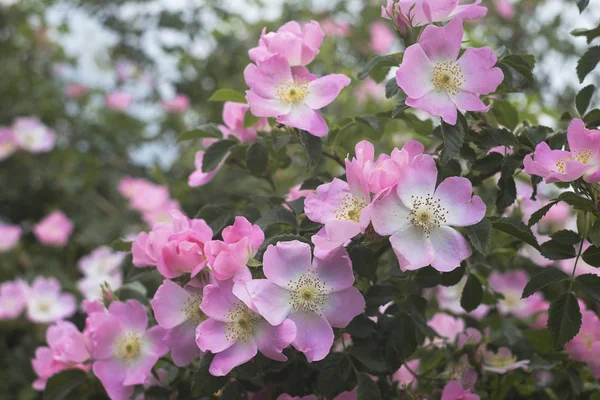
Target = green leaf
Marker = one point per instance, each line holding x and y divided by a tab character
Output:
564	319
120	245
515	227
363	260
371	121
539	214
542	279
592	256
391	88
582	4
566	236
590	283
590	34
216	153
361	327
506	114
65	385
378	66
313	147
594	235
537	134
257	157
489	138
367	388
203	131
592	118
278	215
522	63
216	216
472	294
203	383
228	95
250	119
583	98
400	106
554	250
133	290
579	203
381	294
453	137
336	374
480	235
402	339
369	354
452	278
588	62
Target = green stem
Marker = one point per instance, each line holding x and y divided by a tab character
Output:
579	252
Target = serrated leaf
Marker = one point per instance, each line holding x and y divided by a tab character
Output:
564	319
522	63
453	277
539	214
592	118
203	383
367	388
313	147
257	157
588	62
400	106
216	216
566	236
381	294
594	234
64	385
391	88
453	137
537	134
590	283
371	121
472	294
228	95
592	256
515	227
278	215
363	260
216	153
542	279
403	339
489	138
203	131
336	374
361	327
583	98
554	250
579	203
378	66
582	4
480	235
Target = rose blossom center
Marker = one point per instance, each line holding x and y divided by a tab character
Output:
292	91
241	319
349	209
192	310
427	213
500	360
308	292
128	346
447	76
581	155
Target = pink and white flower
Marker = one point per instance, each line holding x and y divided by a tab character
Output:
33	136
228	257
447	327
119	101
45	366
102	261
502	361
316	295
297	44
13	298
382	38
235	332
54	229
147	246
9	236
68	345
8	144
511	285
178	104
585	346
177	309
425	12
292	95
405	378
436	80
46	303
125	350
455	391
583	159
420	217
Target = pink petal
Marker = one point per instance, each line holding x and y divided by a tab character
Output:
469	12
111	373
436	103
182	342
217	300
412	248
341	307
271	301
237	354
303	117
339	232
442	43
131	314
169	304
452	391
477	65
314	335
415	74
418	181
271	340
265	78
313	34
324	90
449	248
579	137
196	178
286	261
321	207
389	215
293	48
468	101
266	107
456	196
335	271
210	336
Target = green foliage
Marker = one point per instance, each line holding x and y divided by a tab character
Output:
564	319
544	278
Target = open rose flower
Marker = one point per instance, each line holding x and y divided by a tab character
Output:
425	12
291	95
33	136
511	285
46	303
502	361
235	332
54	229
13	298
419	217
583	159
447	327
436	80
9	236
317	295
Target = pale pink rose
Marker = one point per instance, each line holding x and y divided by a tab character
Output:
382	38
119	101
67	343
511	285
33	136
502	361
296	193
370	90
13	298
233	117
447	327
54	229
178	104
45	366
47	303
162	214
76	90
9	236
8	143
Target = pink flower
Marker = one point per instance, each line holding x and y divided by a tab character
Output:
125	351
119	101
162	214
45	366
333	28
469	336
9	236
178	104
382	38
33	136
54	229
46	303
511	285
505	9
447	327
437	81
198	177
369	89
228	257
102	261
8	143
233	117
502	361
454	391
296	44
424	12
234	332
315	295
177	309
91	287
296	193
13	298
583	159
585	346
448	298
291	95
419	217
68	345
147	246
404	378
76	90
144	196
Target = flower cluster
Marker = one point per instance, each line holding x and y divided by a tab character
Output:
54	230
100	268
424	12
27	134
151	200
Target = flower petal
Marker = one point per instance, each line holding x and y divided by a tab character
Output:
168	304
314	335
271	340
266	107
389	215
341	307
412	248
335	271
418	180
442	43
415	74
456	196
436	103
210	336
477	65
182	342
286	261
227	360
324	90
449	248
271	301
303	117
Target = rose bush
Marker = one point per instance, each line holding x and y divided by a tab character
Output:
276	256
